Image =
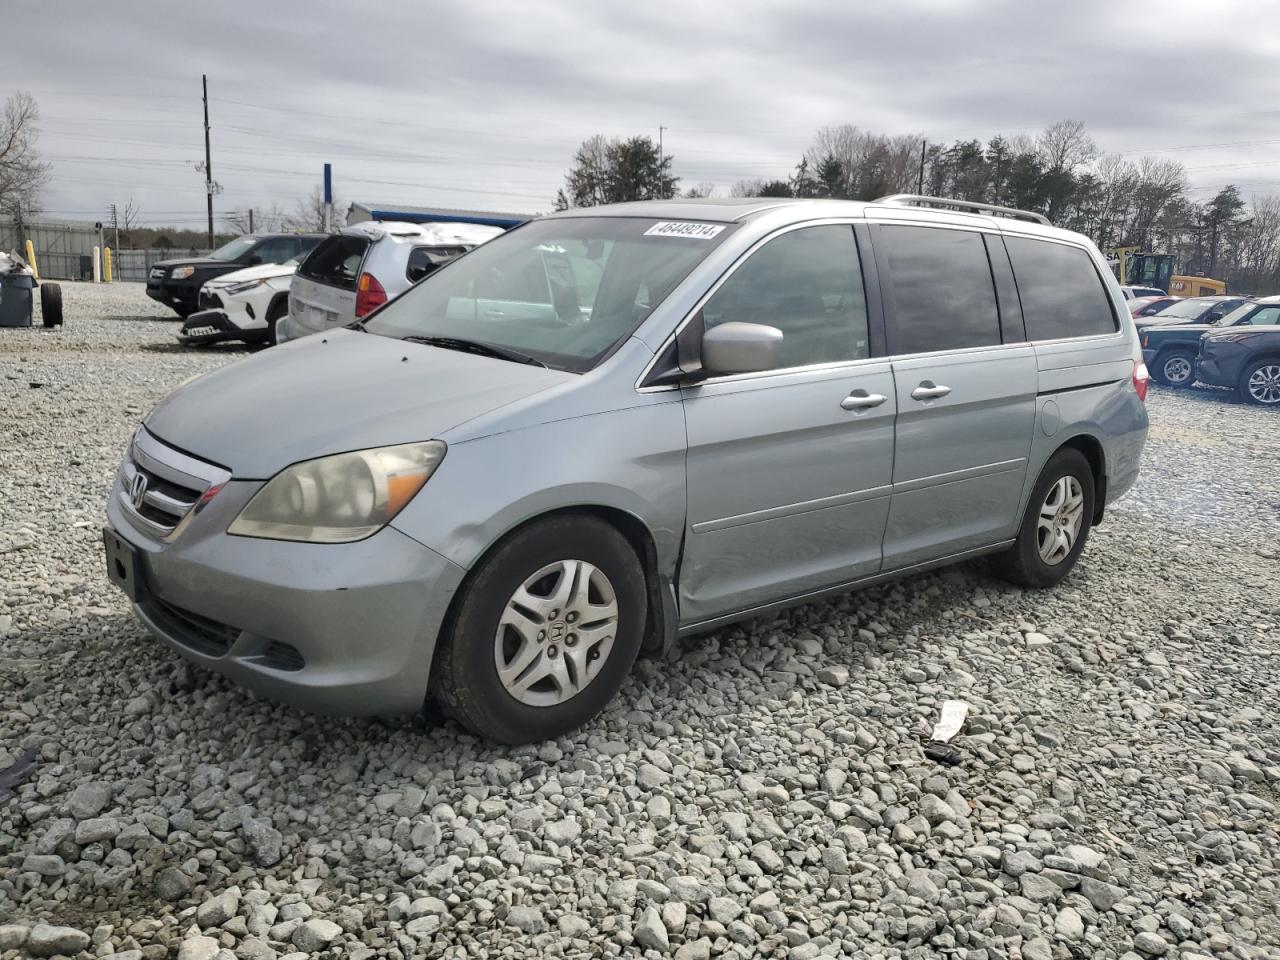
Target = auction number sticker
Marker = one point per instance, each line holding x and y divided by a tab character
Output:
683	228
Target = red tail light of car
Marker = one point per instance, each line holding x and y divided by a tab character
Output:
1141	379
369	295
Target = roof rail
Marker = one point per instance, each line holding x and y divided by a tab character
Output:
966	206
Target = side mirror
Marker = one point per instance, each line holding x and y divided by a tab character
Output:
740	348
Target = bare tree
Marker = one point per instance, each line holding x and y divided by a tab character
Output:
308	213
704	189
129	216
22	173
1066	145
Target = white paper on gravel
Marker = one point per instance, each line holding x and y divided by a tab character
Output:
954	713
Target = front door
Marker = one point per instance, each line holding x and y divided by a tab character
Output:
789	470
966	391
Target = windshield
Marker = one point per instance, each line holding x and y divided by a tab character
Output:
564	291
1186	309
1240	314
232	250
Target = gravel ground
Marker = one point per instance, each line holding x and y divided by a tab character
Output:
763	795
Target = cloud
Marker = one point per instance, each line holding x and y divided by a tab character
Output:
482	104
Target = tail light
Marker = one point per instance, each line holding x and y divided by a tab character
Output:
1141	379
369	295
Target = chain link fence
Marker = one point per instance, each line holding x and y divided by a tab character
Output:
64	249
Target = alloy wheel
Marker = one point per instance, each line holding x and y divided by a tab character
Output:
1264	384
556	633
1061	519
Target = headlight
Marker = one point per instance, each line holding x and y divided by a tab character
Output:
244	286
341	498
181	273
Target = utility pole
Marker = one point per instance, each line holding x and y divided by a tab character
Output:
115	226
660	153
251	219
920	185
208	157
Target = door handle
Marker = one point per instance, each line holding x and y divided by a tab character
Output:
861	400
928	390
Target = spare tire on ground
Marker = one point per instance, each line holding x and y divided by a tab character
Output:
51	304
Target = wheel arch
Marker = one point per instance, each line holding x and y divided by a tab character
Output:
280	301
661	622
1093	451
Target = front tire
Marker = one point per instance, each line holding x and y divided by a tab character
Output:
1056	525
544	633
1260	383
1175	368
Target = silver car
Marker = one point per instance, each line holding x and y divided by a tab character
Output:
617	426
359	268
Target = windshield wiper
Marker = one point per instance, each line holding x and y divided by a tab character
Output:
475	346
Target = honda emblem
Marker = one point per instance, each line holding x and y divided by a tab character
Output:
137	490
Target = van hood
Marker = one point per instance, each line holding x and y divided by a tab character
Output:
335	392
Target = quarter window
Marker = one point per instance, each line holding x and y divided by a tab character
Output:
941	288
808	284
1062	293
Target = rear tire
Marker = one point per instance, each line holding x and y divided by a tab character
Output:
1175	368
511	667
51	304
1260	383
1052	513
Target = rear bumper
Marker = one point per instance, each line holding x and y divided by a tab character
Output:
331	628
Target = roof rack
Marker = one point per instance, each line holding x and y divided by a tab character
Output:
966	206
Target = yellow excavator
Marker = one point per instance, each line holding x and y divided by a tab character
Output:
1156	270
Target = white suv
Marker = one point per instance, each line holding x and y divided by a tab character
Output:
363	266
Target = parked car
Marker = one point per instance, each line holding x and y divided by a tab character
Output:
1245	354
244	305
363	266
720	408
1194	310
1147	306
177	283
1170	349
1133	293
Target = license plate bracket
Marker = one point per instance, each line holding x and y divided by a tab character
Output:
124	565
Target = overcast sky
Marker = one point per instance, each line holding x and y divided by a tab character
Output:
482	103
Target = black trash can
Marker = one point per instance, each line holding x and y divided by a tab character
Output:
16	299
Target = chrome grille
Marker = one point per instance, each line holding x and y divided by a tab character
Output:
160	486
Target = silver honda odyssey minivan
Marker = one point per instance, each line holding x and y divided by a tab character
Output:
616	426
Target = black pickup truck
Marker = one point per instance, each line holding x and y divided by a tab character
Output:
177	283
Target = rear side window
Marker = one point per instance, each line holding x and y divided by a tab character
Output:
1062	293
423	260
941	289
307	244
335	261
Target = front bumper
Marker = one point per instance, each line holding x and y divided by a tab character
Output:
178	295
1209	370
332	628
211	326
